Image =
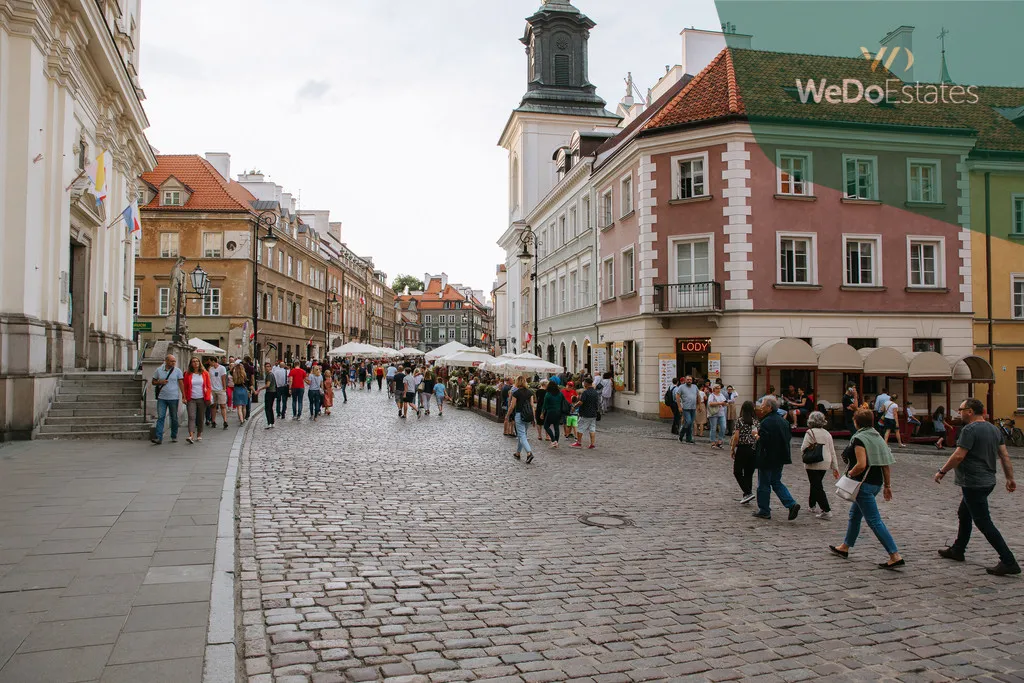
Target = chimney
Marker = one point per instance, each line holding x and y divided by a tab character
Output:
222	162
701	47
335	229
902	37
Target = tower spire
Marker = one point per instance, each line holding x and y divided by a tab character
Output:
943	71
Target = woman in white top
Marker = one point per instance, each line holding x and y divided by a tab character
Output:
716	416
891	420
816	435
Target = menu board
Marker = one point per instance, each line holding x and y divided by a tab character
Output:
600	357
715	366
666	371
619	366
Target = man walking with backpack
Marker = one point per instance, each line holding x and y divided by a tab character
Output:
670	401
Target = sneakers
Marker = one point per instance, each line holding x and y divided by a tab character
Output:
270	426
225	424
824	515
591	446
761	515
745	500
1004	570
576	444
951	554
794	511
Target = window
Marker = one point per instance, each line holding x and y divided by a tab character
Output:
280	261
574	290
863	342
164	297
794	173
1018	296
1020	389
585	286
796	260
925	262
585	210
861	261
137	246
1018	215
427	319
451	334
298	271
606	209
426	335
564	235
923	181
213	244
860	176
168	245
693	262
291	266
609	279
626	198
542	244
922	345
280	309
211	302
544	300
135	302
171	198
451	320
562	302
574	228
688	177
464	334
465	318
628	272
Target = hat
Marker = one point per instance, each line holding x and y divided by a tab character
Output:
570	385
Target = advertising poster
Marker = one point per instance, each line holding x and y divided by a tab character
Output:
715	366
666	371
600	356
618	366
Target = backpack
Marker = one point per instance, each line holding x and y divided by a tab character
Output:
525	412
670	399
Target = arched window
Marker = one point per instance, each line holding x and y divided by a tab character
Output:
515	183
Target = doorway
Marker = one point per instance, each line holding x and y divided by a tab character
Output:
78	301
692	357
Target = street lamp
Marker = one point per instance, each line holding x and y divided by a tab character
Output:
528	237
330	304
201	285
265	219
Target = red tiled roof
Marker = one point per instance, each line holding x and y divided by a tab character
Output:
209	191
711	94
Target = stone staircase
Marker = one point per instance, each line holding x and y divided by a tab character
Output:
96	405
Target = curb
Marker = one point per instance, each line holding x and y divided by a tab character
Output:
220	664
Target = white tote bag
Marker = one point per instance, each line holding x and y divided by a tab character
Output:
848	489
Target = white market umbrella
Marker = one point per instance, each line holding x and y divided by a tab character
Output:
498	364
355	349
467	358
408	351
388	352
446	350
528	362
206	348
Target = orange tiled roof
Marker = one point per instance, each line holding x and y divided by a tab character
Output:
711	94
209	191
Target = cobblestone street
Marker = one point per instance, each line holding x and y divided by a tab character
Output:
374	548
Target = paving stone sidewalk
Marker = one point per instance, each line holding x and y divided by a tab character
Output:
416	550
106	557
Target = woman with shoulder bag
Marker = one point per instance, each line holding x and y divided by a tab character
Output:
868	459
551	412
198	395
819	455
744	437
521	412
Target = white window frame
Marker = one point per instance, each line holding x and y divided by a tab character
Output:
544	301
936	164
291	266
574	225
163	301
673	266
677	175
136	297
563	230
812	256
588	218
216	252
170	198
563	301
1016	312
584	285
626	195
451	333
170	252
212	302
808	180
628	286
876	259
574	290
607	288
451	320
1017	218
607	209
874	173
427	319
940	260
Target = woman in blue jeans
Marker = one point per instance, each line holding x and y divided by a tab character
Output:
868	458
521	409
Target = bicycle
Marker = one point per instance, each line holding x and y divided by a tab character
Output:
1014	435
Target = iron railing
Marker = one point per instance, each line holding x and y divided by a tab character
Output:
691	297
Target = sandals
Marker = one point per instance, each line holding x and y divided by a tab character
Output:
845	554
893	565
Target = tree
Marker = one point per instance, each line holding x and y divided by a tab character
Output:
411	281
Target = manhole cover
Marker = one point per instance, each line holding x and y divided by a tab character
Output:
605	521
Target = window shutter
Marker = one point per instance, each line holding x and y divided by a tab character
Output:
563	70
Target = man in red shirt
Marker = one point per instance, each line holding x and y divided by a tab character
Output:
297	383
569	392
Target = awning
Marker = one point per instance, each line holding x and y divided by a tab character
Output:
927	365
788	352
840	357
205	348
885	361
976	367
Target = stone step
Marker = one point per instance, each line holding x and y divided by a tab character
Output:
107	407
87	410
91	391
96	396
100	384
133	435
93	428
102	419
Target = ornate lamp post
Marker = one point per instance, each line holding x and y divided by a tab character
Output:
201	286
265	219
528	238
331	303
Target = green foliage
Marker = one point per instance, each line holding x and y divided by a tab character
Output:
411	281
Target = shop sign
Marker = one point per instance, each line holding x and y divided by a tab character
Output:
142	326
693	345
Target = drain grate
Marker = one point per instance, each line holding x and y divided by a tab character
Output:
605	521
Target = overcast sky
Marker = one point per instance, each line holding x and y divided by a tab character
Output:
386	112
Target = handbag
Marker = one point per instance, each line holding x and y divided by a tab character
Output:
814	454
848	488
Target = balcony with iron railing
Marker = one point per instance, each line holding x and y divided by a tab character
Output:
690	297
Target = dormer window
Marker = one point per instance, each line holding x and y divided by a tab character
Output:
171	198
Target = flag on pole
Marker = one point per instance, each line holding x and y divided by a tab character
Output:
131	218
97	171
529	338
362	301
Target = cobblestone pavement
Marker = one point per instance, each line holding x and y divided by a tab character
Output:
419	550
106	556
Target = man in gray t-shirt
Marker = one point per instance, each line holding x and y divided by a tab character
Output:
686	399
974	459
169	385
